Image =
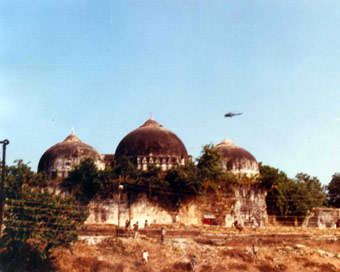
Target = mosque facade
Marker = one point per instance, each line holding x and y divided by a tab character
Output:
150	144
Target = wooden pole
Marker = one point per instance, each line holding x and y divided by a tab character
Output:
4	143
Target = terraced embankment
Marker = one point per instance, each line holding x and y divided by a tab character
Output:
217	249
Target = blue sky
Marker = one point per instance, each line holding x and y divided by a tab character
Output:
103	66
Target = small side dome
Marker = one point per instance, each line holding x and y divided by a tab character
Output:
237	160
152	144
61	158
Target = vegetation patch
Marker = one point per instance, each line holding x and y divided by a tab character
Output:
37	222
167	189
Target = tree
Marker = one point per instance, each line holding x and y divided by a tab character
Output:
333	189
293	200
291	197
20	174
83	182
36	222
210	172
151	179
209	164
315	191
276	182
270	176
108	183
125	168
184	179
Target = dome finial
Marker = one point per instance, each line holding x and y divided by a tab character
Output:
151	117
72	131
226	141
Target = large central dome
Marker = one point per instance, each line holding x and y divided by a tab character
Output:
152	144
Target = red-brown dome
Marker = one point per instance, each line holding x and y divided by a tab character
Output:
151	139
237	159
62	157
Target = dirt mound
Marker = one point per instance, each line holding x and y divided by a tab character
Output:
317	253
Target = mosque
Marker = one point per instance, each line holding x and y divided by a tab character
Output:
152	144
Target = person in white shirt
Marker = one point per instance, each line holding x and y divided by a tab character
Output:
145	256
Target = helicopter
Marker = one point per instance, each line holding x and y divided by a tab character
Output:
232	114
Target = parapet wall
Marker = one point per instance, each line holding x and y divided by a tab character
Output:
247	205
322	218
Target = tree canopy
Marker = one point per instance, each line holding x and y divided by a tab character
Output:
85	182
36	221
209	164
334	191
291	197
286	196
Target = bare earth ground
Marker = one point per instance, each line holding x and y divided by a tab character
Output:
217	250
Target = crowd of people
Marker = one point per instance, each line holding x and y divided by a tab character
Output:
135	228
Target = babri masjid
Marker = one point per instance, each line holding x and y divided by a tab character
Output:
152	144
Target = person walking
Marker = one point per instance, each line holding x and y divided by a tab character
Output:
145	256
135	228
193	263
127	227
162	235
255	250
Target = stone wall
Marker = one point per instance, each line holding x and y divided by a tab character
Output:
250	206
246	205
322	218
106	212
